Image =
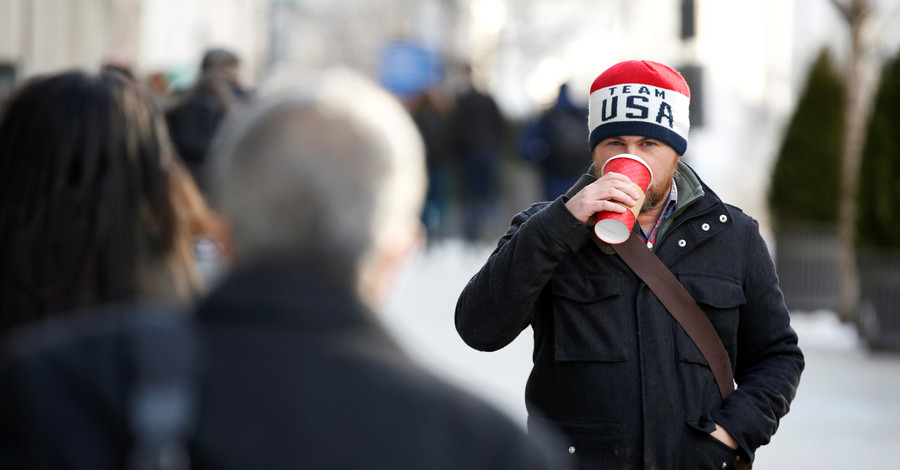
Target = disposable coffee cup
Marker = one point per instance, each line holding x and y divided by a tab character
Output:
615	227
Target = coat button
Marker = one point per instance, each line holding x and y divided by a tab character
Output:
571	449
723	218
682	243
705	227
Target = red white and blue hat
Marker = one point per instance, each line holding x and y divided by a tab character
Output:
640	97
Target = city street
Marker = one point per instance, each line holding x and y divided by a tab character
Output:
846	414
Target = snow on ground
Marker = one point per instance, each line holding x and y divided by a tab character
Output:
822	329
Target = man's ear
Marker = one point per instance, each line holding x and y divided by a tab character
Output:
390	259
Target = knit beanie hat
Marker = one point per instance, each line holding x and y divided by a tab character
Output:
640	97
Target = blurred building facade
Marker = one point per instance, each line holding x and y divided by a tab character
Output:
746	58
148	36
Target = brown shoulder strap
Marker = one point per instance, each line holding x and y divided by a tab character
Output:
674	297
681	306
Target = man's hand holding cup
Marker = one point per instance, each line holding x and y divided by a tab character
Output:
615	198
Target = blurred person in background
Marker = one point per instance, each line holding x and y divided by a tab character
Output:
322	185
97	222
613	370
121	67
94	206
195	117
431	112
157	84
478	127
556	142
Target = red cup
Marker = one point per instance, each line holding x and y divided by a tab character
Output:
615	227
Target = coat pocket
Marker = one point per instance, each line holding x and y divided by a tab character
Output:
720	299
593	444
590	321
700	451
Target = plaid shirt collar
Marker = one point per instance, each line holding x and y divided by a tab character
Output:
650	239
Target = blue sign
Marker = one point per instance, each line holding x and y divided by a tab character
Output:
408	68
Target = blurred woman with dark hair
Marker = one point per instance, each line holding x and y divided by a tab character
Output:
95	208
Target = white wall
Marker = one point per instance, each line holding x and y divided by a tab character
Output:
150	35
174	33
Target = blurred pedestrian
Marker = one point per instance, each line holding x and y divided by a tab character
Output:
556	142
479	130
431	113
94	206
614	369
323	187
97	223
117	66
195	118
157	84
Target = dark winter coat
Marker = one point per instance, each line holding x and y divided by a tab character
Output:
102	388
193	124
477	123
300	375
612	369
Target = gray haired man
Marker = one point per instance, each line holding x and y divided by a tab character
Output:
323	187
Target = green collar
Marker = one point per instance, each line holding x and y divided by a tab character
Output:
690	190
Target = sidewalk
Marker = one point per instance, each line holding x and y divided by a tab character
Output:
846	414
847	411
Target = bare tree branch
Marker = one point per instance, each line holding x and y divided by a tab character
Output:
856	13
842	8
853	10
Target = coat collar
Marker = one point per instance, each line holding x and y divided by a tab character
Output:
699	216
286	298
691	190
